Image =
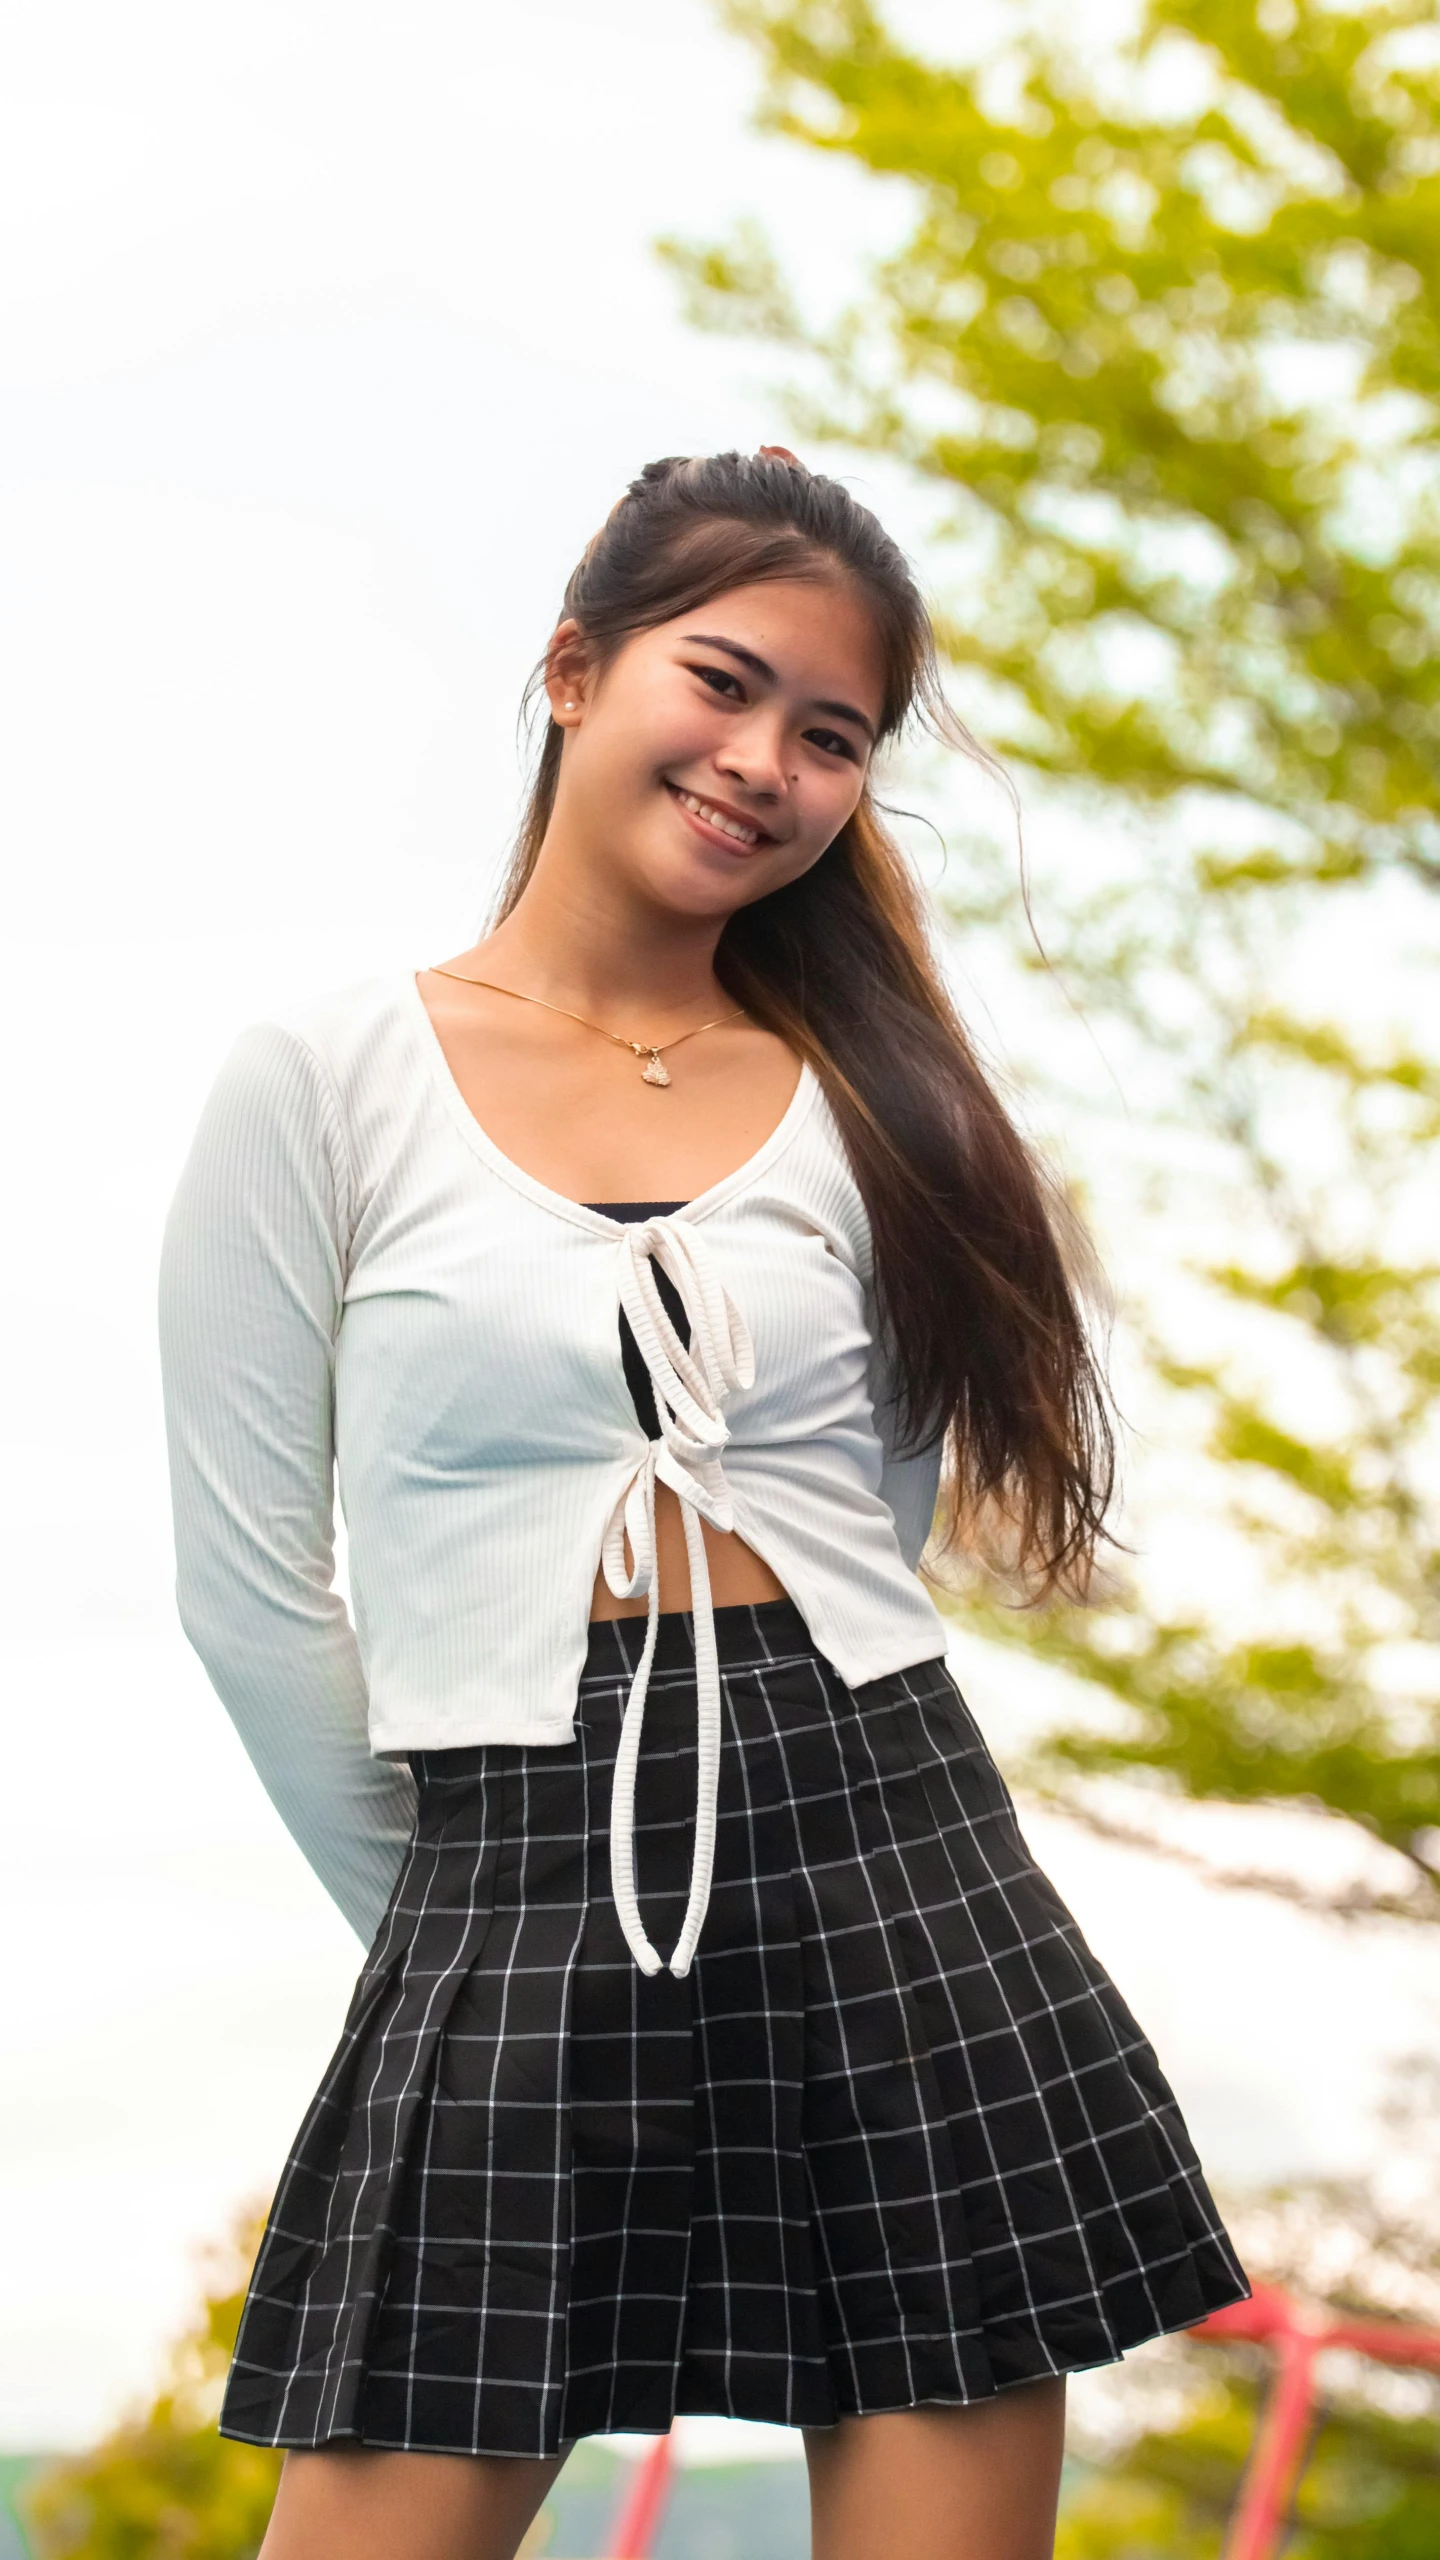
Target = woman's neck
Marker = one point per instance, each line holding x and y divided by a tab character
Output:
593	951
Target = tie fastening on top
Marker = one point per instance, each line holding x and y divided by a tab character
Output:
692	1388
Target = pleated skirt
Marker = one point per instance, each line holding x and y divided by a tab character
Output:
895	2139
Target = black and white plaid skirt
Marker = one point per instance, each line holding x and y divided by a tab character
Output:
895	2137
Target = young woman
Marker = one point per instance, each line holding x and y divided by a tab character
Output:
651	1269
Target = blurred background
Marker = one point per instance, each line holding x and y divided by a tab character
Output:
327	337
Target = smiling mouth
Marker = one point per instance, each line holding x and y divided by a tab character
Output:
711	815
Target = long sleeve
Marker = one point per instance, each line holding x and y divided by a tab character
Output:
909	1479
251	1282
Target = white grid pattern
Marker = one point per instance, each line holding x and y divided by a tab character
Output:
895	2139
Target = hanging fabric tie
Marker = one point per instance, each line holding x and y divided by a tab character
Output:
692	1387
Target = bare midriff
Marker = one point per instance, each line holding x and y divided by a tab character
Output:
737	1574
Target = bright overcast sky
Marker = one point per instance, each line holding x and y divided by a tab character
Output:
327	335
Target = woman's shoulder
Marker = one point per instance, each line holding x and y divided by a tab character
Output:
342	1024
307	1091
336	1039
315	1067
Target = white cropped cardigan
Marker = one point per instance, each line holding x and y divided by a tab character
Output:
356	1284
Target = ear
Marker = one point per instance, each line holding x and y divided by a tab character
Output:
567	675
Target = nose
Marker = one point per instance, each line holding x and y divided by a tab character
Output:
753	755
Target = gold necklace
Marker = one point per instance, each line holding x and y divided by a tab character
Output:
651	1073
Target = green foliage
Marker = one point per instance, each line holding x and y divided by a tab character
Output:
1171	2492
165	2485
1370	2489
1094	340
1163	344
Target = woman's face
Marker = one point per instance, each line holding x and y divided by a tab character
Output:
718	755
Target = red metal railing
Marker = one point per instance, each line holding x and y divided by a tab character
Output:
1298	2336
644	2502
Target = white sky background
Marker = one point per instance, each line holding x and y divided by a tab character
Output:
327	336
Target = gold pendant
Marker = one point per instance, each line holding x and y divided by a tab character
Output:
652	1071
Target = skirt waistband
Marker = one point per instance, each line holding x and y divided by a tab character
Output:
745	1632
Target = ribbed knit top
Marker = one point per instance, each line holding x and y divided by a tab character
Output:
358	1286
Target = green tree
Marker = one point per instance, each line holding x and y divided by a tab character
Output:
166	2485
1370	2489
1162	345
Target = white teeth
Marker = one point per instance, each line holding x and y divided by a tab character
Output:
716	818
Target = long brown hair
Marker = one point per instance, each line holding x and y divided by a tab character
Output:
975	1249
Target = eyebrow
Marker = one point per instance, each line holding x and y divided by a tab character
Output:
761	667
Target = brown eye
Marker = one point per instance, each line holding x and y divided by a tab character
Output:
716	678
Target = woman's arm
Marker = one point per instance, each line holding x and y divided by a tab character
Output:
251	1282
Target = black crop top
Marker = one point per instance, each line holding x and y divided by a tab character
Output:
637	1376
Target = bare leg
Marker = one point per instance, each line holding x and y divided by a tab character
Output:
347	2503
979	2483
